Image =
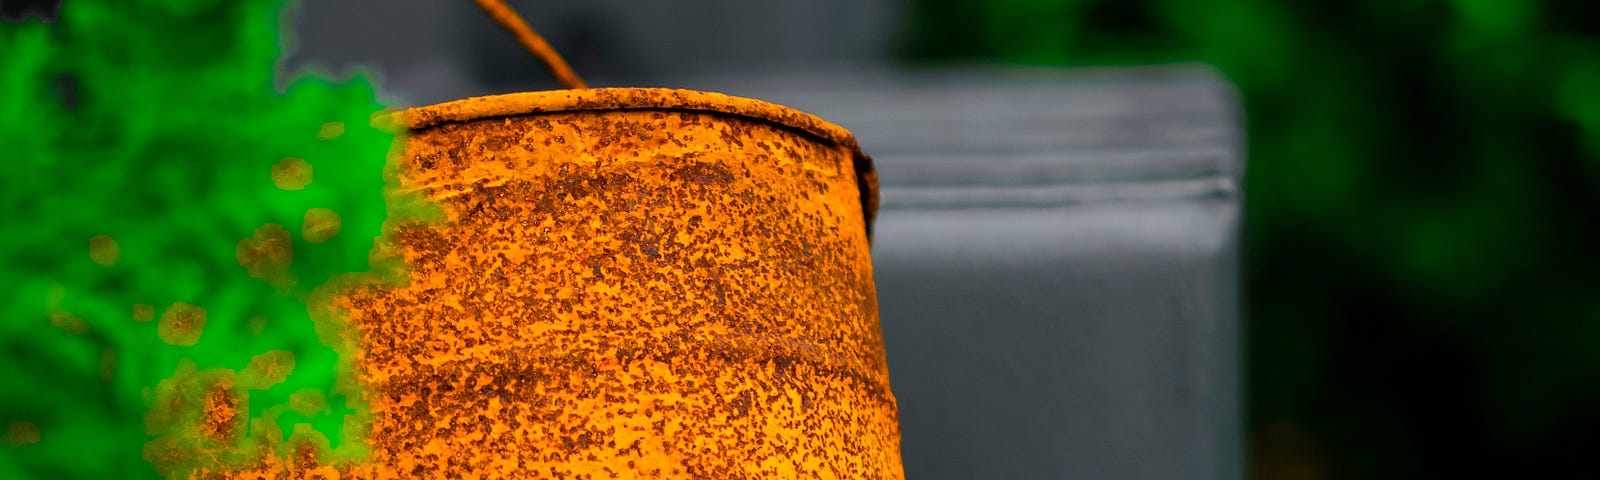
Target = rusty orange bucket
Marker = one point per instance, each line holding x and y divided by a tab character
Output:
629	283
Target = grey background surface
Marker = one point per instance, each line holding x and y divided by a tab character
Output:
429	51
1057	252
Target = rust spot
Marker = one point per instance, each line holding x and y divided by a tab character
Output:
331	130
182	324
221	412
21	433
267	369
741	404
197	419
67	321
267	254
320	225
103	250
291	174
305	455
307	450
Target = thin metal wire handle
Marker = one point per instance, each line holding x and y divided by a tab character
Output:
508	19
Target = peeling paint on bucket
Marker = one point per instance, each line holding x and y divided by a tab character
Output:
628	283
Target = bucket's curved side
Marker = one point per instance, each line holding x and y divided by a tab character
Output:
632	292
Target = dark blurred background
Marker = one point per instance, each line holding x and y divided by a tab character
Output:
1422	292
1421	279
1422	288
1421	262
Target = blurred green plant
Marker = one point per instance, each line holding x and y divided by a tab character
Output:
144	142
1422	194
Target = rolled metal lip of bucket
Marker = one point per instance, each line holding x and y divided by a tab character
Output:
599	99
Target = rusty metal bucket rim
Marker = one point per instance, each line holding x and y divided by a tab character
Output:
602	99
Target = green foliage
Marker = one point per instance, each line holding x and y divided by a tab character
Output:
1422	190
157	124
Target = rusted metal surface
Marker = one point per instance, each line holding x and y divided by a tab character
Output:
655	99
626	283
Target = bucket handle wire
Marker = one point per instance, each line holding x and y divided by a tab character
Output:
508	19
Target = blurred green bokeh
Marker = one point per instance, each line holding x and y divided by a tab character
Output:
1422	280
157	124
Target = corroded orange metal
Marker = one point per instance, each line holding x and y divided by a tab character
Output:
628	283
